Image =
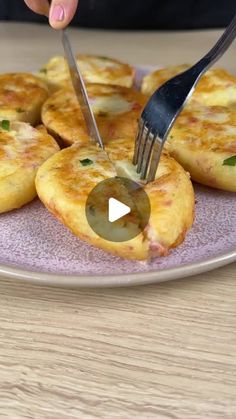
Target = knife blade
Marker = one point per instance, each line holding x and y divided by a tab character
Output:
80	91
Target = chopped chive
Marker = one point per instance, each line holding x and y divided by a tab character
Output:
231	161
43	70
86	162
92	209
5	124
101	113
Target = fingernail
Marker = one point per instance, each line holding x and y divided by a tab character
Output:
57	14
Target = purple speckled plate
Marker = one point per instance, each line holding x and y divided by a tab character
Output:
35	247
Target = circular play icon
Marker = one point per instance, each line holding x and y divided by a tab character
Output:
118	209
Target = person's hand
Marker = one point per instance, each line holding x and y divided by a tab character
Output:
60	12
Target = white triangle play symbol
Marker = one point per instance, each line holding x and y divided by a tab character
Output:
116	210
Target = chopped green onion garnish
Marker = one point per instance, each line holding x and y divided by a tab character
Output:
92	209
5	124
231	161
86	162
101	113
43	70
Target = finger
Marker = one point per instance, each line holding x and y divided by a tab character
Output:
62	12
38	6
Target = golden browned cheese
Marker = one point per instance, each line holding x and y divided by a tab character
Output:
201	140
63	184
22	150
156	78
216	88
116	109
94	69
21	97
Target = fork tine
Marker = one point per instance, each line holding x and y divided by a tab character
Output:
138	141
155	157
147	155
143	143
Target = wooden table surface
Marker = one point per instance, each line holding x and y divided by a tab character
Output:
160	351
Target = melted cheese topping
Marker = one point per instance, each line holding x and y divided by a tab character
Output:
155	79
22	150
94	69
206	128
23	146
116	109
63	184
21	97
201	139
216	88
113	105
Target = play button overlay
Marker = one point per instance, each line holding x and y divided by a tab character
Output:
118	209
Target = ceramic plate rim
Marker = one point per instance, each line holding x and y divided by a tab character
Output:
119	280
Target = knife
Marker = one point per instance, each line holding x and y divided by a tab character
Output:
80	91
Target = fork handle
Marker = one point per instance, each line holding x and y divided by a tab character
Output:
218	49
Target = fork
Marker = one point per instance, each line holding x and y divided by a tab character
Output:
166	103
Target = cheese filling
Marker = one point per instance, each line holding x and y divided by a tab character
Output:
111	105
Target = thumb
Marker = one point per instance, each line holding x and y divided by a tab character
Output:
62	12
41	6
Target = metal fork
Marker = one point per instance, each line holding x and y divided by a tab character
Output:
165	105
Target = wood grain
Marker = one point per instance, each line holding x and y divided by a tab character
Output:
164	351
